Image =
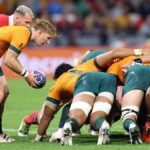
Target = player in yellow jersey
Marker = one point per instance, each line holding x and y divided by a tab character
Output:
103	60
92	65
22	16
13	39
136	84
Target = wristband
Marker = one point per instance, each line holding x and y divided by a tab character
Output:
24	73
138	52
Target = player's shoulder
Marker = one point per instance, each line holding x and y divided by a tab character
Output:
3	16
21	28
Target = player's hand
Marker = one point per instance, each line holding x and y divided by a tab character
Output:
31	80
126	66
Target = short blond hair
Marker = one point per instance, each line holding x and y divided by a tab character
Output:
45	26
23	10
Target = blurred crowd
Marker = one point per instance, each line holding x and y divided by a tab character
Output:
92	22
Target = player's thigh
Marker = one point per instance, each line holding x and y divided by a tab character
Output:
137	78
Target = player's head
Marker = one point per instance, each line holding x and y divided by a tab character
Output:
23	16
61	69
43	31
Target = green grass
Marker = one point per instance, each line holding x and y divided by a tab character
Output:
24	100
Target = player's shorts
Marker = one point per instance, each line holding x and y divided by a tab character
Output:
137	77
96	82
1	72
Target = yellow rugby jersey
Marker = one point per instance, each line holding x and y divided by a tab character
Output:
63	88
13	37
116	69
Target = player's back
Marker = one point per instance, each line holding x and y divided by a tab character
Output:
7	32
116	68
16	36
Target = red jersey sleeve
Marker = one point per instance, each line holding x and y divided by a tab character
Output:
4	20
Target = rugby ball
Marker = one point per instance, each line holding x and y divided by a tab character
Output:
41	78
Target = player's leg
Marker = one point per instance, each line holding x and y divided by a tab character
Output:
135	85
101	109
84	95
146	128
80	108
4	92
98	121
147	103
87	86
130	108
57	136
26	122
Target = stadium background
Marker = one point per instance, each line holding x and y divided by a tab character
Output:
84	25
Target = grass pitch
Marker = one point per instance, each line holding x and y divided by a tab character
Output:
23	100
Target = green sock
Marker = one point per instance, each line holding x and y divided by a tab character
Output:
98	123
64	115
127	123
74	124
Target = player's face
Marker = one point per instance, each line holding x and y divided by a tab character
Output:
24	21
43	39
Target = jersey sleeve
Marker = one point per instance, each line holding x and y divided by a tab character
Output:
54	94
20	40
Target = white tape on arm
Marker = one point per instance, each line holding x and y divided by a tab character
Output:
138	52
24	73
85	107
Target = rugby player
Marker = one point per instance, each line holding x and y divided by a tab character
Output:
12	44
22	16
136	82
110	58
103	60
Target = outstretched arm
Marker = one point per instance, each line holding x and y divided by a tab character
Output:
50	109
106	59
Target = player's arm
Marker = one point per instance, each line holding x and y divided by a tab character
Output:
50	108
11	61
145	58
105	60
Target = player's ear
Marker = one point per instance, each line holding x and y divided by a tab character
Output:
17	19
39	32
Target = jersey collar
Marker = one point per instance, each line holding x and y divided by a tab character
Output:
11	20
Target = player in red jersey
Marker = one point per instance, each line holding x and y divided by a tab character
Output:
22	16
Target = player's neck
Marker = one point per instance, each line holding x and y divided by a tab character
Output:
34	34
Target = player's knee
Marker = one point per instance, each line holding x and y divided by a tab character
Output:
108	95
83	106
103	107
130	112
148	92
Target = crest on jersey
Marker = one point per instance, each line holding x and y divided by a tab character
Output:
21	45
